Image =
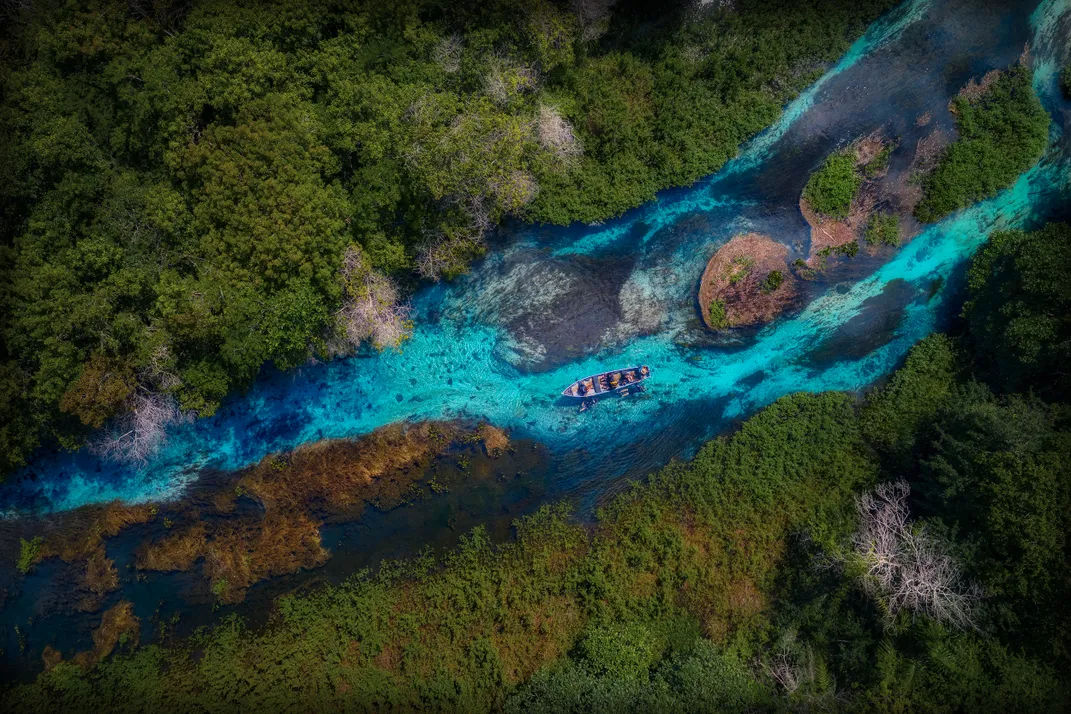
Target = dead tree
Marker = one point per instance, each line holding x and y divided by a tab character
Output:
556	135
447	53
506	78
441	255
372	310
141	431
593	17
905	567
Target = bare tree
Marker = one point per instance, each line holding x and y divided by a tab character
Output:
158	372
799	673
447	53
441	255
593	17
556	135
904	566
141	431
506	78
372	309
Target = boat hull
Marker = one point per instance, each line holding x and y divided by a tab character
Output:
604	383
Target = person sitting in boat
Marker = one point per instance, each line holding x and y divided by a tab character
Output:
630	377
644	371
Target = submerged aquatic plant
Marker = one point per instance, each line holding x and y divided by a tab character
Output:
29	550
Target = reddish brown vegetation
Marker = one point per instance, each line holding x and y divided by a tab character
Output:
249	550
178	551
973	91
115	623
832	233
553	626
340	476
51	657
495	441
909	189
298	492
78	535
100	392
331	480
99	578
78	538
899	196
735	276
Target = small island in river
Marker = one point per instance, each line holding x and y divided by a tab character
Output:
747	282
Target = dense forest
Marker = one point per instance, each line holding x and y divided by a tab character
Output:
191	190
904	552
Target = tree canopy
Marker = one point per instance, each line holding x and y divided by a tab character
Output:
180	182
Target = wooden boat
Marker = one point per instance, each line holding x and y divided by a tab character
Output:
612	382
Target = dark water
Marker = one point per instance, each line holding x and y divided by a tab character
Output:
550	305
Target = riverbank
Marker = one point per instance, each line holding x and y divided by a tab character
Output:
205	267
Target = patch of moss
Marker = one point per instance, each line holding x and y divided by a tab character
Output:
880	162
773	281
831	190
719	319
29	552
740	268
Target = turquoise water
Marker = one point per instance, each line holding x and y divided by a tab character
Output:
551	305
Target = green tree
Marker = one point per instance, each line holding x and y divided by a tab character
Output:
1001	134
1018	310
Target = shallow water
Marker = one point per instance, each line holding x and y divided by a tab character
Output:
552	304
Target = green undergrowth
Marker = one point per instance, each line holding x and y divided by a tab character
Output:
1001	135
716	585
831	189
883	228
689	592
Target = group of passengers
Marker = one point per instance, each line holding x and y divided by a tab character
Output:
587	387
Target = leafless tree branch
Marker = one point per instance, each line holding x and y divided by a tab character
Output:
556	135
372	309
141	431
903	565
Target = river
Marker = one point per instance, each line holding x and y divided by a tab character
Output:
552	304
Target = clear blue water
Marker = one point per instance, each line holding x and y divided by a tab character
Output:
552	304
